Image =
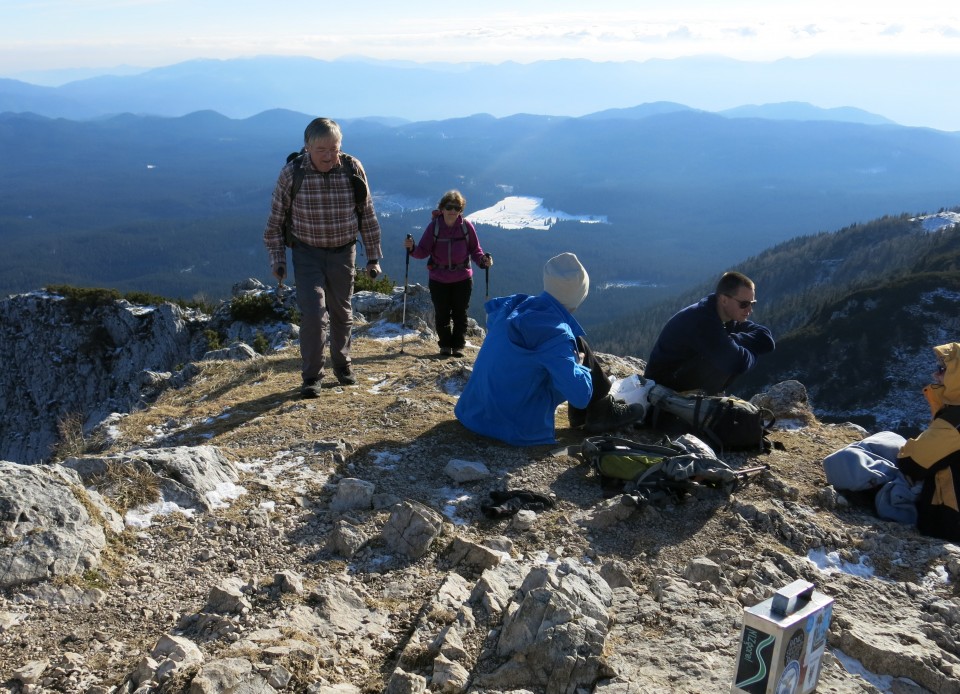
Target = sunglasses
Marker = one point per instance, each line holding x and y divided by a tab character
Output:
450	207
741	304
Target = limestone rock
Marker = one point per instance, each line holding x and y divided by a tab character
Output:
411	529
45	526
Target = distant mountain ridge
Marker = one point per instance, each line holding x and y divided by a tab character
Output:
359	88
795	110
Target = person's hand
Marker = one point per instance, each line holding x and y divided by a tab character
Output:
280	271
487	261
373	268
408	243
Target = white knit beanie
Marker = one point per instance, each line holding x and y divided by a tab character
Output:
565	279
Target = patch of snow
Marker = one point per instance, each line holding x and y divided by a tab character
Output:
396	204
225	415
521	212
453	386
882	682
142	517
383	331
226	491
386	459
831	563
629	284
937	576
450	502
377	387
936	222
789	425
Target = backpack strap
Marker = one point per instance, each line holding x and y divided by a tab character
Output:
357	182
950	414
436	237
298	174
702	426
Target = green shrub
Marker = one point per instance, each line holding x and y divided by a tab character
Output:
364	283
260	344
254	308
91	297
214	341
85	297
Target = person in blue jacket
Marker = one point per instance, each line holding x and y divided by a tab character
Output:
534	358
705	346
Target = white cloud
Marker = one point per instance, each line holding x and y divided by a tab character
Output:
154	32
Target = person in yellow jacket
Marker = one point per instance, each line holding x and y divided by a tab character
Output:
934	456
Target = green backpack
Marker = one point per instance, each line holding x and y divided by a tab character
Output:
651	473
623	459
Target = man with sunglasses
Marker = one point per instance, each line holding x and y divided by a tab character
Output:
705	346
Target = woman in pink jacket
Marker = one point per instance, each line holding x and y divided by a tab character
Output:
450	242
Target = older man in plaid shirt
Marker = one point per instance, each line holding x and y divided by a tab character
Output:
324	221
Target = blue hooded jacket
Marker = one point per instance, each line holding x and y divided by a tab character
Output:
526	367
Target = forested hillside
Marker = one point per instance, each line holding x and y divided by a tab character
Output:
176	206
797	278
854	313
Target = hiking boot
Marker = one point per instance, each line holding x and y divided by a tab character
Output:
445	351
310	388
608	414
457	353
576	416
345	375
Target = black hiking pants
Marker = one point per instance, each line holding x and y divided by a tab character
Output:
601	383
450	303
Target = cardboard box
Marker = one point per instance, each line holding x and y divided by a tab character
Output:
782	642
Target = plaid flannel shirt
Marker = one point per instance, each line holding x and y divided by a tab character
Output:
323	215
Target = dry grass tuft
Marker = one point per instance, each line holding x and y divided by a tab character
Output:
73	441
127	485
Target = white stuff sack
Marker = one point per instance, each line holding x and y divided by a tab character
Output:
633	390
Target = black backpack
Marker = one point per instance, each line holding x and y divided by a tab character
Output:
358	182
726	422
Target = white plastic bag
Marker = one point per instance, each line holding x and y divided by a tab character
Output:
633	390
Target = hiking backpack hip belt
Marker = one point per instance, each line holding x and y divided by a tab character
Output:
444	266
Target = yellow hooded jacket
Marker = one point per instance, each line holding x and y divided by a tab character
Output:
934	456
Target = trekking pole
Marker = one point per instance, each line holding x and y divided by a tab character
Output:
486	271
406	275
747	471
744	475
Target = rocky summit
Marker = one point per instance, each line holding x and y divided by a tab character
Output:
224	535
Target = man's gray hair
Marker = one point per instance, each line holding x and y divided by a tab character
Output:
321	129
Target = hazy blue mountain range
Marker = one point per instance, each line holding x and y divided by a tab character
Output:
357	87
176	206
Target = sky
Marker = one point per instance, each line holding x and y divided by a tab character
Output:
37	35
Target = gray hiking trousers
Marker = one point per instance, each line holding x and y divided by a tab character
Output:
324	278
